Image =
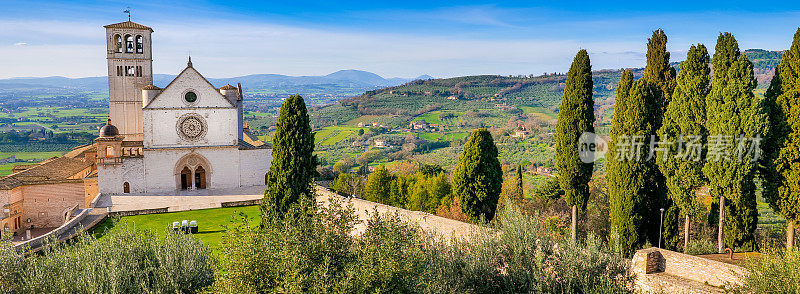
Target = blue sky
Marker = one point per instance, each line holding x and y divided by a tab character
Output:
392	39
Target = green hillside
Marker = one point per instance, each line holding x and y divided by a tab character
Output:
428	120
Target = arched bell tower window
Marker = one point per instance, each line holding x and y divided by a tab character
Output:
128	44
139	45
126	188
118	40
110	152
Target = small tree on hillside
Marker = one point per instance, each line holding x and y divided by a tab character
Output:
379	185
575	117
293	164
478	178
519	184
684	127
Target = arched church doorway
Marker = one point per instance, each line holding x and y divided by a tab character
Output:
126	188
186	178
200	178
193	171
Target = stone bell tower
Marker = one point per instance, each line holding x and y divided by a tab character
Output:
130	68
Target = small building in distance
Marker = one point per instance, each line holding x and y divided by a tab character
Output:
380	143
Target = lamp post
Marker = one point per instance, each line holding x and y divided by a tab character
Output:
660	227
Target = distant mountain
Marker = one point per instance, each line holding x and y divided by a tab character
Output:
344	78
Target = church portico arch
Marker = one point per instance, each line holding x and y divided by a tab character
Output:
192	171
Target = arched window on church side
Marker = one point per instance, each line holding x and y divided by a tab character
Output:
110	151
126	188
139	45
118	39
128	43
266	178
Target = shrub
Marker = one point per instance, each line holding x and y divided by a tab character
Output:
123	261
775	271
702	246
310	249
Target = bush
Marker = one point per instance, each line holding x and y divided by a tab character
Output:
775	271
123	261
310	249
525	258
702	246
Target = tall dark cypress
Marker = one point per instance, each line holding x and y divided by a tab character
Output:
658	70
660	75
630	174
778	169
478	177
733	112
684	127
575	117
293	168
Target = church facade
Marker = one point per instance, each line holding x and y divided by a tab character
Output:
187	136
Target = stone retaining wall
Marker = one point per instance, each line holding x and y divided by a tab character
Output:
656	267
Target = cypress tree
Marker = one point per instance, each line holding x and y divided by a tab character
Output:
684	127
478	177
782	144
519	189
575	116
631	183
660	75
658	70
733	112
293	164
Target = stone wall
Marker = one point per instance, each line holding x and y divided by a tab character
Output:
663	270
44	204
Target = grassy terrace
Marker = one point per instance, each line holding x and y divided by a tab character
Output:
211	222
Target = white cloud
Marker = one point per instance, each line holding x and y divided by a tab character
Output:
20	44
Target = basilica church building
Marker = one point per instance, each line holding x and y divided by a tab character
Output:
187	136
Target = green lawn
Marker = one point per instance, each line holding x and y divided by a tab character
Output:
211	222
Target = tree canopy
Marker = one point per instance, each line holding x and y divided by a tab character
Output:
478	177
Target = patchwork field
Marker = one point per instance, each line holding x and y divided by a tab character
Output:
5	169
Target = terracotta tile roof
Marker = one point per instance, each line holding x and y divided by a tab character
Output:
150	87
253	142
128	25
228	87
80	151
51	171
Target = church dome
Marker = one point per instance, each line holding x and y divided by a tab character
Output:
109	130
